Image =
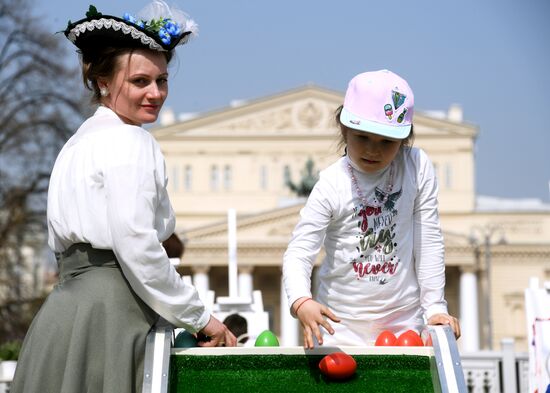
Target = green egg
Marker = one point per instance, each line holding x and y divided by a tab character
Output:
185	340
266	339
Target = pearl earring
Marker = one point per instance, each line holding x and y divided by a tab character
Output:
104	92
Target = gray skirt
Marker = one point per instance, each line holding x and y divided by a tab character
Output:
89	335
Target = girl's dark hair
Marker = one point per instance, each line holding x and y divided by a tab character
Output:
102	62
406	143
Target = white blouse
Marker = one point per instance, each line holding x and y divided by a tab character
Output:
108	189
381	259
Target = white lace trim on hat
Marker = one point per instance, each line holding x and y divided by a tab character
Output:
104	23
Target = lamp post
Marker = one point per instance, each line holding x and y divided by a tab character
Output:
486	233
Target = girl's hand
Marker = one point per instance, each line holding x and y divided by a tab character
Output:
445	319
312	314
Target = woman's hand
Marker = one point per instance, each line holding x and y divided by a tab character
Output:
445	319
312	314
216	334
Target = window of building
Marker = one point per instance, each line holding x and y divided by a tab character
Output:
214	178
263	177
174	179
227	178
188	178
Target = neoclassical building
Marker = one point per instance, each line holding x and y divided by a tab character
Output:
241	158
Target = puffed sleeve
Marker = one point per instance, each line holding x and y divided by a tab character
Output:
428	239
133	179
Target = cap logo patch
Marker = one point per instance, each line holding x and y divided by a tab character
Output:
388	110
356	122
398	99
402	115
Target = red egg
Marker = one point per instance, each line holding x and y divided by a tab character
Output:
386	339
409	339
426	338
338	365
428	342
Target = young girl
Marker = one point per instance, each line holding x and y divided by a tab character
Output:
375	210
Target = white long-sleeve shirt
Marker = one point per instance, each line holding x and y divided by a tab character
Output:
381	259
108	189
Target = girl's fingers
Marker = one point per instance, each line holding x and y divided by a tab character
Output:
453	323
308	339
326	311
456	327
318	334
312	317
444	319
327	326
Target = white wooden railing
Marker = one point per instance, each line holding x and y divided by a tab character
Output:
503	371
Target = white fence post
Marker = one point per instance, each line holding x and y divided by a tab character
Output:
509	381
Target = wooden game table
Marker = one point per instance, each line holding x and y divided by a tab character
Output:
295	369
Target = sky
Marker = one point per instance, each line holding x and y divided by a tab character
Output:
492	57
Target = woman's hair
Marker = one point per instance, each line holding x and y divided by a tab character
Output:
102	62
405	143
174	246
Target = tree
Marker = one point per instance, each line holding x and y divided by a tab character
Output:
40	105
309	178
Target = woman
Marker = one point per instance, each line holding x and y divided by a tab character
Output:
108	212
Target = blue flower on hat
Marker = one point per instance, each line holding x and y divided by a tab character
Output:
129	18
165	28
154	29
172	28
164	36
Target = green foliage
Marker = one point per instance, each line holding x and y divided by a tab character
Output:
155	25
92	12
9	350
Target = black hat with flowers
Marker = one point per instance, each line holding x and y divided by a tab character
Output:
156	27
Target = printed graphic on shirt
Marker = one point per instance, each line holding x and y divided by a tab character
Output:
376	257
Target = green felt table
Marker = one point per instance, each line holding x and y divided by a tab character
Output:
293	369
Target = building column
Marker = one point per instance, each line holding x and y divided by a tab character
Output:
469	310
245	281
30	273
289	324
201	281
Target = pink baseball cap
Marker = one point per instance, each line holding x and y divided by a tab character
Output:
379	102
